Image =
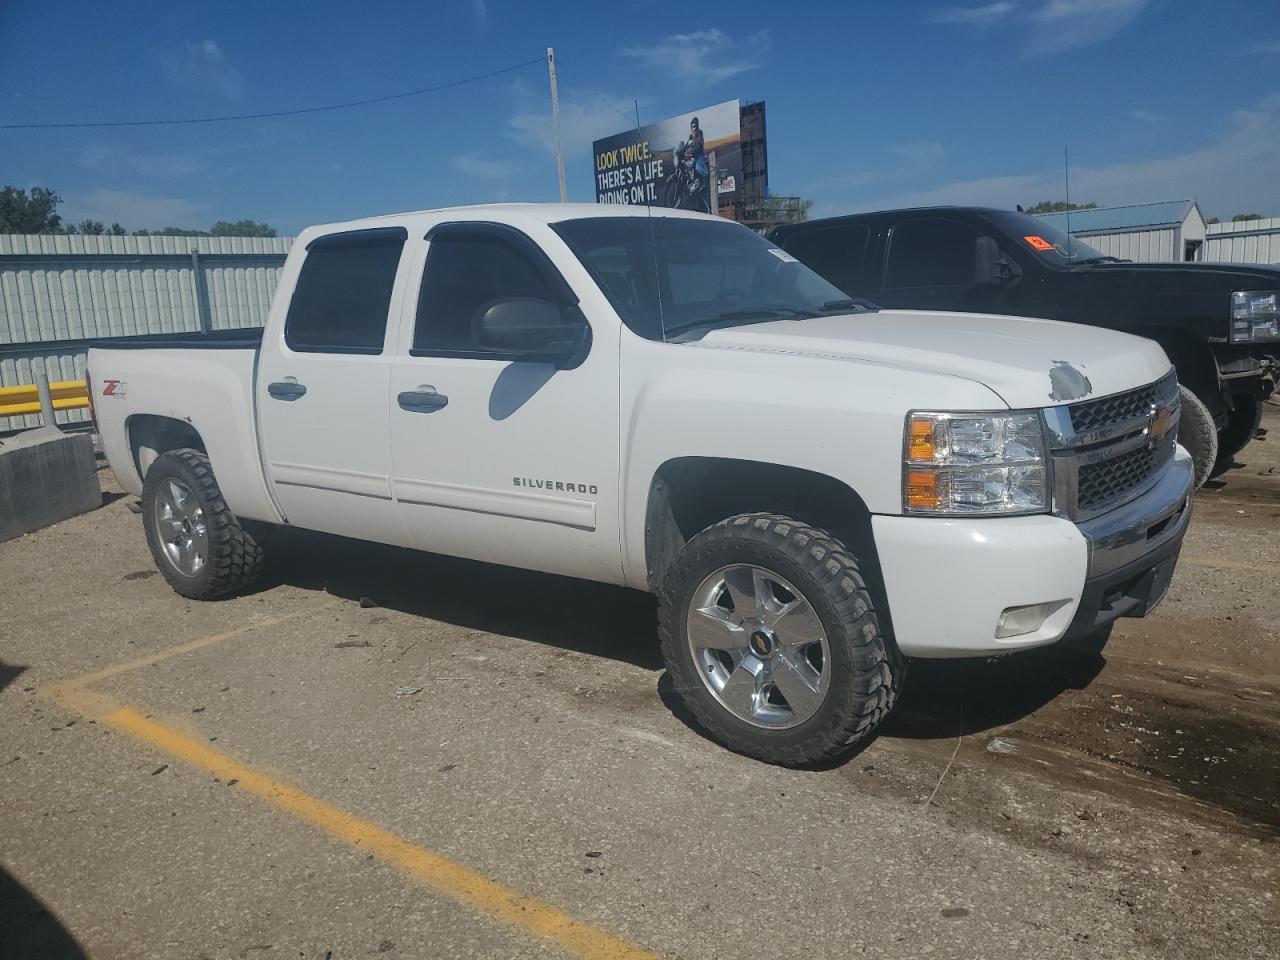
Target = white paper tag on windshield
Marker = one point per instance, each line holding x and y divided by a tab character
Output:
783	255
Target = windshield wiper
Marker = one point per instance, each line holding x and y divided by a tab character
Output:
767	312
849	303
1102	259
730	317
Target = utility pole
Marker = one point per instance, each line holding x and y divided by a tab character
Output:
555	119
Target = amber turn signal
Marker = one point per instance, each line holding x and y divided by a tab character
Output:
920	446
923	490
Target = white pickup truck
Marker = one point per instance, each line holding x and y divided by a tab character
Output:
815	489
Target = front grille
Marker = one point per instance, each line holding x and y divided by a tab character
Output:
1119	408
1100	483
1108	450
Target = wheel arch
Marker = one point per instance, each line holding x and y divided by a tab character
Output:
688	494
1194	362
151	435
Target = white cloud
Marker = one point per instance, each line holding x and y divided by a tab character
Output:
204	67
973	15
582	121
1049	26
1063	24
919	154
1147	117
481	10
483	168
122	160
704	56
1234	172
133	210
1265	46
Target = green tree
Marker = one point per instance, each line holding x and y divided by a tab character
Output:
91	228
1242	217
34	212
116	230
242	228
1058	206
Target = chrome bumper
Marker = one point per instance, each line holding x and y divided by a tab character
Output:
1133	551
1143	525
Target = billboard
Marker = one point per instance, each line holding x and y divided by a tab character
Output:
669	163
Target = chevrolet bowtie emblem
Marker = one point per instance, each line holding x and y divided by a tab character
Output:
1160	424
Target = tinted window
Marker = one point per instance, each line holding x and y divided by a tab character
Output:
930	253
835	253
344	292
463	275
668	276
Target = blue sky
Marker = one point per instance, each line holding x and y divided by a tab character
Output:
870	104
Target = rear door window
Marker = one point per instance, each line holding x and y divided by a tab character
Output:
343	293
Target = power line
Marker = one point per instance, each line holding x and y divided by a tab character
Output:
276	113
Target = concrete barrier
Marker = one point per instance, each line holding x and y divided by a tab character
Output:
45	476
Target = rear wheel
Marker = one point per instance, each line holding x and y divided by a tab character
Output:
203	549
1242	424
773	641
1196	432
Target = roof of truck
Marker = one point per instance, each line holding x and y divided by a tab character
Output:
513	212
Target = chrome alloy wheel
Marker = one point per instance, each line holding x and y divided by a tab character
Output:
759	646
181	527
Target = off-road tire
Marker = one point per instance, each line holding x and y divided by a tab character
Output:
867	669
1242	424
236	547
1196	432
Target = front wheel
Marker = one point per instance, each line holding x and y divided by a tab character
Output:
203	549
1197	432
1242	425
774	643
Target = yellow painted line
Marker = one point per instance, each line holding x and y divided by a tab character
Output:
168	653
462	884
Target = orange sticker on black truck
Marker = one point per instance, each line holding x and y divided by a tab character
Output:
1038	243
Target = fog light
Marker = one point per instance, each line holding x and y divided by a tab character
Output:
1015	621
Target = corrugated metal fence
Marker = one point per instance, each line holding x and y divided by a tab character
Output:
57	292
1249	241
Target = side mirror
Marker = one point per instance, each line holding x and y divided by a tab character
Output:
531	328
991	266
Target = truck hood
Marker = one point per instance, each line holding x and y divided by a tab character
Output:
1194	276
1027	363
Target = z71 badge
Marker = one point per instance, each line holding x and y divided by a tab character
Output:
114	388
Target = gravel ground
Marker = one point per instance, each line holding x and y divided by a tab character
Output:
1054	804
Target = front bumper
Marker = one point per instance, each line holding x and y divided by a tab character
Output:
949	581
1133	550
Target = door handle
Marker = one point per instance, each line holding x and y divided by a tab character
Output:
423	400
286	389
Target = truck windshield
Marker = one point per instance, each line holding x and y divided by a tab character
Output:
674	278
1045	240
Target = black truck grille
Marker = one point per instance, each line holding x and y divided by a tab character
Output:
1118	446
1109	480
1121	407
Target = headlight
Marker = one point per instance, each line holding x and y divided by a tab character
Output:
974	464
1254	315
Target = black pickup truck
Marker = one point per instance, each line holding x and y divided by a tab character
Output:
1217	322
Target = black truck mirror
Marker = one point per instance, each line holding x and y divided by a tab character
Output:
991	266
536	329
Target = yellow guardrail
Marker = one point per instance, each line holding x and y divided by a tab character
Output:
67	395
